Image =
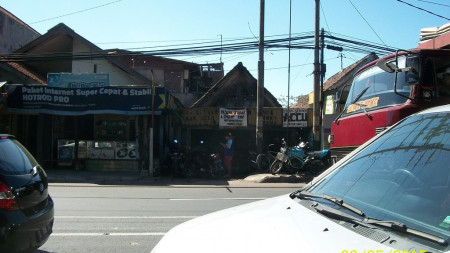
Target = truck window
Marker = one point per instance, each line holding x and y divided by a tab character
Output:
443	77
380	92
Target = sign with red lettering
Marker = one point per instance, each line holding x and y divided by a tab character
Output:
232	118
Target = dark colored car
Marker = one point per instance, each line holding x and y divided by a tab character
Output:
26	208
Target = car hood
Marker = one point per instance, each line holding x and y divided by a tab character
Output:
277	224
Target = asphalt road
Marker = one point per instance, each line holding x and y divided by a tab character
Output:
93	218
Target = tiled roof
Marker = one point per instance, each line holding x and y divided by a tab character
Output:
332	82
337	80
26	72
302	102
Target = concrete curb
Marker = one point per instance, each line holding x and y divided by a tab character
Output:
133	178
279	178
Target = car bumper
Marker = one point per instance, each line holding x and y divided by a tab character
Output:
19	232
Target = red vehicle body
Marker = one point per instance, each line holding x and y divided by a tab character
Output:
389	89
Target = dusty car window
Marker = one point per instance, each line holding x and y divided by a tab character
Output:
14	160
403	176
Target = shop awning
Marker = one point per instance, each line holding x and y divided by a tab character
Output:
81	101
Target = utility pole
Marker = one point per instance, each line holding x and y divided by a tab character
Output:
317	91
260	83
220	47
321	96
150	168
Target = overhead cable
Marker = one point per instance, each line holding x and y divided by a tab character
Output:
422	9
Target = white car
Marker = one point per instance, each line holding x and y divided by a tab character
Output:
390	195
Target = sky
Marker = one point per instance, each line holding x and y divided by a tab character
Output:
138	25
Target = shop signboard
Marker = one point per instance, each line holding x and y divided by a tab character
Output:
125	150
81	101
201	117
329	105
232	118
295	118
100	150
74	80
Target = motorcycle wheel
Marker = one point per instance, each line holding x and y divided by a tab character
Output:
217	170
276	167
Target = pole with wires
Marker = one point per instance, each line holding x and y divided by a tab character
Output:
289	71
260	84
316	105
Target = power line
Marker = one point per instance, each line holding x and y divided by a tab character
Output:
76	12
302	41
446	5
367	22
432	13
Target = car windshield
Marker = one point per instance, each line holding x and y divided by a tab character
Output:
404	175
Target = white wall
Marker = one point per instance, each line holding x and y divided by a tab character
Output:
116	75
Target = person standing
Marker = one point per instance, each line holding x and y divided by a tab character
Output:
228	153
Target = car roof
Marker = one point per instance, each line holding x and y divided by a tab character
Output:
437	109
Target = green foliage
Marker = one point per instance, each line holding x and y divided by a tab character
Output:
283	100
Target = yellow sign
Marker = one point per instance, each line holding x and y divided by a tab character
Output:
201	117
364	104
211	117
329	105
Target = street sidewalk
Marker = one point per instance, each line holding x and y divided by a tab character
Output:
59	176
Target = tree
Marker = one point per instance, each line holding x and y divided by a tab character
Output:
283	100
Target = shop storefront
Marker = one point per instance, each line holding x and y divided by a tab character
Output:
211	124
98	128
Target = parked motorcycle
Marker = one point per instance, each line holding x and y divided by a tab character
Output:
177	161
298	158
201	162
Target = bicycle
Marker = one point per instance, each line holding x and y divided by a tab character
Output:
264	160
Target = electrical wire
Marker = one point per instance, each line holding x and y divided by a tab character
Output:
422	9
277	43
446	5
76	12
366	22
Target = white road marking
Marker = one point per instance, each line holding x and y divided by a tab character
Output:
125	217
109	234
209	199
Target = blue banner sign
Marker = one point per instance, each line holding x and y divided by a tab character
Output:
77	101
70	80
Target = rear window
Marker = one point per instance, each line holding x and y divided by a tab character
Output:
14	158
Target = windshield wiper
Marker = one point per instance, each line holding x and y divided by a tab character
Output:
398	226
337	201
363	106
354	101
394	225
360	95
